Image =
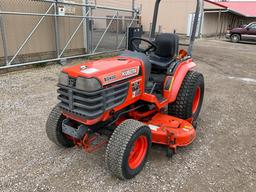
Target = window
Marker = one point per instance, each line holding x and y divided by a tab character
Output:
252	26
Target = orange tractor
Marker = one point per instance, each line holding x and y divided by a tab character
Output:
127	102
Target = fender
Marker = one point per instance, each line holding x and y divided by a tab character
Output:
178	77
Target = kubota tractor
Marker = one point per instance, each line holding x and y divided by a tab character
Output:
150	95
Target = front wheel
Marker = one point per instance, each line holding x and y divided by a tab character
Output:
54	129
128	149
235	38
190	97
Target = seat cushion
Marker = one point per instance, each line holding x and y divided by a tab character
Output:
159	63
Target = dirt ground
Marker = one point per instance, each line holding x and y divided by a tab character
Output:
222	158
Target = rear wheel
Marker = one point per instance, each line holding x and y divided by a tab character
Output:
54	129
235	38
128	149
190	97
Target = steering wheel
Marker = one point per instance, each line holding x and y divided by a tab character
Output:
152	46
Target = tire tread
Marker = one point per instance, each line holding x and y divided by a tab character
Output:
182	107
117	145
52	129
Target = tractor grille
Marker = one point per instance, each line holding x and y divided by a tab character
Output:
90	105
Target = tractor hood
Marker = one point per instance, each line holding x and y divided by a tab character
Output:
106	70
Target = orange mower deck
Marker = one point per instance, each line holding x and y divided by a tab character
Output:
165	129
171	131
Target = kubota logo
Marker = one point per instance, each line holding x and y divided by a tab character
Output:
129	72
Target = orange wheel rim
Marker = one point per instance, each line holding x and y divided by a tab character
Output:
196	100
138	152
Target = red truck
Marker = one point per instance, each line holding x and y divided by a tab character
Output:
246	32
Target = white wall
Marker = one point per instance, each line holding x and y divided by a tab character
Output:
173	14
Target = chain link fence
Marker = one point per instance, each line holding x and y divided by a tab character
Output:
37	31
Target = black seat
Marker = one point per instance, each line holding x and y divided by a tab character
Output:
167	49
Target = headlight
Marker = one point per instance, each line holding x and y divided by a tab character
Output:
88	85
63	79
228	31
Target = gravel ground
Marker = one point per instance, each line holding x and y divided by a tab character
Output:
222	158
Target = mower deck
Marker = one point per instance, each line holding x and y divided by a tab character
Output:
171	131
165	129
